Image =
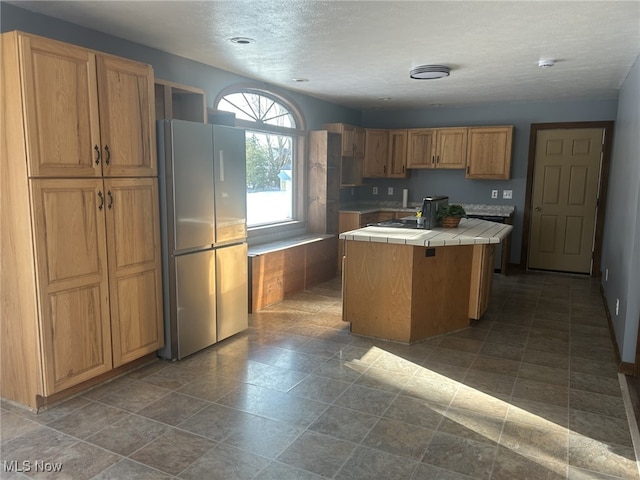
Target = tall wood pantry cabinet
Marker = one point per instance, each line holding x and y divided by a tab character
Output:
81	291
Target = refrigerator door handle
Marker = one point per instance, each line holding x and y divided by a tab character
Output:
222	165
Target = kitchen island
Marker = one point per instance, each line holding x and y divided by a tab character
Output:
408	285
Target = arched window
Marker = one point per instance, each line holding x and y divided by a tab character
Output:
274	134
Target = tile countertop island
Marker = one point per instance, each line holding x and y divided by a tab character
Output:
476	209
408	285
471	231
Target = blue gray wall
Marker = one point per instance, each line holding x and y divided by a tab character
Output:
621	243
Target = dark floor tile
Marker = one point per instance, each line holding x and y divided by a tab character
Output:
540	373
173	408
416	411
126	469
367	400
399	438
482	427
317	453
173	451
344	423
87	420
216	422
601	404
600	427
367	463
460	455
597	456
281	471
262	436
541	392
511	465
128	434
134	396
210	387
321	389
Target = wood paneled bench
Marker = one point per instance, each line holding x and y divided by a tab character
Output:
279	269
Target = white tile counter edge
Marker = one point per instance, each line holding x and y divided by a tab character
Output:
471	231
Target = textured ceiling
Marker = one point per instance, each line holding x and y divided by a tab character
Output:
356	53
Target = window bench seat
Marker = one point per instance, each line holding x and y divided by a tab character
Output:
281	268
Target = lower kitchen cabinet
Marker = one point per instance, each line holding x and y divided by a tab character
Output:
481	279
95	285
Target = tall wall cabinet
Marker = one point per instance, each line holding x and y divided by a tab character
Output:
81	291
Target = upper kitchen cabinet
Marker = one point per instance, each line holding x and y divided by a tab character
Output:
385	153
86	114
437	148
352	155
376	152
397	167
352	138
489	152
181	102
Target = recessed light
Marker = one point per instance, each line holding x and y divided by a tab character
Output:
242	40
429	72
300	80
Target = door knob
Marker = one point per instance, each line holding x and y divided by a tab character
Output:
537	209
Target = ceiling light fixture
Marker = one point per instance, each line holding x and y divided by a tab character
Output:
300	80
242	40
428	72
546	63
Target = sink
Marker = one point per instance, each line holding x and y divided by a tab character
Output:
397	223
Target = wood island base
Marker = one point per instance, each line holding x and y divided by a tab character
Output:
408	293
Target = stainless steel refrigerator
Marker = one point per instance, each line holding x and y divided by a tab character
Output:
203	219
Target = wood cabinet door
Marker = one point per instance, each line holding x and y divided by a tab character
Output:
421	146
358	142
376	152
135	282
127	125
397	154
61	109
69	230
452	148
489	152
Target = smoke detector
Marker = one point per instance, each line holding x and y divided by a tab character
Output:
546	63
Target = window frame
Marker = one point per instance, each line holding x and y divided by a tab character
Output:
297	223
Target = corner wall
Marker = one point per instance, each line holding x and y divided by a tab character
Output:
621	244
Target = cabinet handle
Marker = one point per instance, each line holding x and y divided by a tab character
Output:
467	169
97	149
101	200
438	159
110	200
402	168
433	159
106	148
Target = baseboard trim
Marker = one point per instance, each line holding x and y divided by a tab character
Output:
631	417
625	368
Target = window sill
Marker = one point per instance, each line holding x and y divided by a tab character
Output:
271	233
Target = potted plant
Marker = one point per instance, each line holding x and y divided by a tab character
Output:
450	215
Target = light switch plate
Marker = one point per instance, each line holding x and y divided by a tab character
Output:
375	190
507	194
390	191
494	193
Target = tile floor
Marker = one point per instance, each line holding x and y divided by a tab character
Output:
529	392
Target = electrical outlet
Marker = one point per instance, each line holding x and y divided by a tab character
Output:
375	190
617	306
390	191
507	194
494	193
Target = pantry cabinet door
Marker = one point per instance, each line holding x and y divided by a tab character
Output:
134	267
127	120
69	231
61	109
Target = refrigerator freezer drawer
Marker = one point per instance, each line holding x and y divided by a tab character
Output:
195	301
233	295
231	232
